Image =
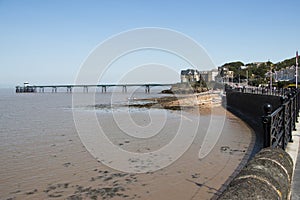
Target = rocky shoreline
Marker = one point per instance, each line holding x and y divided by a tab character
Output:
203	101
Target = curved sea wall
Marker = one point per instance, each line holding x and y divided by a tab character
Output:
268	174
249	107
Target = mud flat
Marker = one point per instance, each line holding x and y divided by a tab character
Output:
43	157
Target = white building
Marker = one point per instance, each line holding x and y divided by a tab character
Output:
285	74
193	75
189	75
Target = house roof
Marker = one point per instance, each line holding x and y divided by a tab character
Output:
189	72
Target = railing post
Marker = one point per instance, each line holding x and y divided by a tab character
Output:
297	104
290	116
294	110
284	134
267	121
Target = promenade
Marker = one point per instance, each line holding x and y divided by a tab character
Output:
294	150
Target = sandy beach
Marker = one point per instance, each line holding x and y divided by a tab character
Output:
53	164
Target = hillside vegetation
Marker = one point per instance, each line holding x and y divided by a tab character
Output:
256	71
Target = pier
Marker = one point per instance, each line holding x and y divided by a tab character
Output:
85	88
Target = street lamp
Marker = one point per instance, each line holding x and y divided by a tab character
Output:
239	76
247	76
296	70
271	75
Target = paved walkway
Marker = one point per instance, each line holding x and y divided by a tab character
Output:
294	151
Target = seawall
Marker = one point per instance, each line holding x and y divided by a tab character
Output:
268	175
250	108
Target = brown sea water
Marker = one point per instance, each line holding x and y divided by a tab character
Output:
42	156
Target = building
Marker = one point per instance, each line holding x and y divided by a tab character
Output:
193	75
225	74
285	74
189	75
209	76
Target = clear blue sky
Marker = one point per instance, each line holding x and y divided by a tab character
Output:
47	41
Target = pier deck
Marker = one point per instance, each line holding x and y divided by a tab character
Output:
69	87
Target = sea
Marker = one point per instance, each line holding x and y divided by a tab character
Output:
115	146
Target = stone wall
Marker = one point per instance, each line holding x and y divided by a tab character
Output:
267	176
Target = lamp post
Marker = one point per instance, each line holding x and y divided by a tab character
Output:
271	86
296	70
247	76
239	76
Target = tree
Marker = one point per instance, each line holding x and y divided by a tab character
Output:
235	67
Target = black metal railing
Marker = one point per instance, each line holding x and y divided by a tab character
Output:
263	91
279	124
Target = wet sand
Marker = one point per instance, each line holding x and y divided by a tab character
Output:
58	166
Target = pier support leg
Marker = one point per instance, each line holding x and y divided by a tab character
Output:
147	89
69	89
103	89
124	89
85	89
